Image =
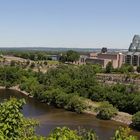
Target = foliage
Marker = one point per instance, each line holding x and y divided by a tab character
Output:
12	63
109	67
138	69
13	126
123	134
106	111
136	120
32	65
72	81
9	76
29	85
87	134
70	56
12	123
30	54
125	68
97	68
64	134
60	99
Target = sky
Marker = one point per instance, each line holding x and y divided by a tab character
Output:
69	23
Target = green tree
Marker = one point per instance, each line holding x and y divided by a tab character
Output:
125	68
64	134
72	56
138	69
136	120
13	63
87	134
106	111
13	125
109	67
32	65
123	134
30	85
10	76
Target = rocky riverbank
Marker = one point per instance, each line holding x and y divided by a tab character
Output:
18	89
120	117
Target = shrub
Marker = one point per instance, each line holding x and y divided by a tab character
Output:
138	69
87	134
123	134
64	134
75	103
136	120
106	111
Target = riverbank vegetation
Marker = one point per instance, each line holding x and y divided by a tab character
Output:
14	126
68	86
106	111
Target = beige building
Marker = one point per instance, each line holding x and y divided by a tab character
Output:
117	59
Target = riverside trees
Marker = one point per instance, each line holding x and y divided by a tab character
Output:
106	111
12	123
14	126
70	81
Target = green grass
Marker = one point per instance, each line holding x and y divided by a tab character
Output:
52	62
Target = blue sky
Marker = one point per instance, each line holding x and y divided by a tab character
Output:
69	23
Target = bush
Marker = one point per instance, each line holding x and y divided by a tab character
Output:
109	67
13	125
106	111
75	103
32	65
138	69
64	134
87	134
123	134
136	120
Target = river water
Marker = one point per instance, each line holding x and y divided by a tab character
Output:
51	117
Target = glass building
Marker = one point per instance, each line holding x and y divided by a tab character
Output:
133	55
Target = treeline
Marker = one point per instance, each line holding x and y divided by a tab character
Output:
68	86
68	56
31	55
14	126
59	85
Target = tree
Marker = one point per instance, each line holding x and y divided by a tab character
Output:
13	63
87	134
138	69
123	134
29	85
106	111
126	68
27	62
12	123
136	120
45	63
109	67
32	65
64	134
9	76
70	56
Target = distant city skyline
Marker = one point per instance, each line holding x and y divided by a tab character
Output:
69	23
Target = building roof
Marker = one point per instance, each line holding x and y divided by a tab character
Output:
136	53
130	53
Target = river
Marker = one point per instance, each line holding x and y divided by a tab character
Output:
51	117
